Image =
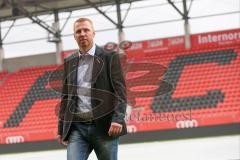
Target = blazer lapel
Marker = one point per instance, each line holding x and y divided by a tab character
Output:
97	68
73	69
97	65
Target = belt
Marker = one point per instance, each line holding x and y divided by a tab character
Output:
88	122
83	116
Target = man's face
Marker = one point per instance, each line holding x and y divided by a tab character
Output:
84	34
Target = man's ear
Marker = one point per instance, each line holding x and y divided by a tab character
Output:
74	36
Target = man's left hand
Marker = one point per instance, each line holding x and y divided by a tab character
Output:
115	129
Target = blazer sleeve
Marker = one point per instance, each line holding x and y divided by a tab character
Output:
64	98
119	86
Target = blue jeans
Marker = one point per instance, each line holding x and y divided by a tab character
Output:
83	139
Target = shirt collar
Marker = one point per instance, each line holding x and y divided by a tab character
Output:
91	51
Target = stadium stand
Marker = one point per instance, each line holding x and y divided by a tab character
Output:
204	83
26	105
167	89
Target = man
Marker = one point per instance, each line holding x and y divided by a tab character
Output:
93	102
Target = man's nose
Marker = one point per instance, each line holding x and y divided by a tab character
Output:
82	33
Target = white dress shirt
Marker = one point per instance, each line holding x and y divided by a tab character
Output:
84	78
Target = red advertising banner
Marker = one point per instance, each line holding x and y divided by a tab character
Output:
214	39
176	44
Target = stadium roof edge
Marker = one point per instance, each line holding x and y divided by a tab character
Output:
11	10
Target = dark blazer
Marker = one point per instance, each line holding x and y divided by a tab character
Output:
108	93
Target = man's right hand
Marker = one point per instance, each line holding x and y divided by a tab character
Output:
60	141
